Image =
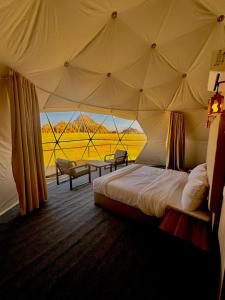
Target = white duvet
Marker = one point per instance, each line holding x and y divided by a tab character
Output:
147	188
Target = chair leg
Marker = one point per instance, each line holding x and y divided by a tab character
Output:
71	184
89	176
57	176
115	167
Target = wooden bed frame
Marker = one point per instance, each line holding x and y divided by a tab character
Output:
216	175
124	210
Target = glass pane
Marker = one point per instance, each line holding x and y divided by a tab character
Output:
111	129
46	129
95	123
75	150
59	121
49	160
122	124
92	152
106	146
119	146
87	136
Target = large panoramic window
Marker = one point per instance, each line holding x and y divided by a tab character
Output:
87	136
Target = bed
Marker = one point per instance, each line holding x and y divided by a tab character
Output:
144	192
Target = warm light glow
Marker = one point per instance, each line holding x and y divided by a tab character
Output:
216	104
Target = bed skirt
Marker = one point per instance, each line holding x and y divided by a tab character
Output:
125	210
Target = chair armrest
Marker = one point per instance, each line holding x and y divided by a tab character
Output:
108	155
74	162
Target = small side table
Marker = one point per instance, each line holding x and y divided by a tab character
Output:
193	230
98	164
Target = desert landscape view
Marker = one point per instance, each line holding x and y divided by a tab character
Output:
86	139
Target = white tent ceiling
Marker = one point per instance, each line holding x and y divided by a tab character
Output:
111	55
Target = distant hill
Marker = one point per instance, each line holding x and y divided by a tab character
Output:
131	130
82	124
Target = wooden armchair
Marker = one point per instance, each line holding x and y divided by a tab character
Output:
118	158
71	168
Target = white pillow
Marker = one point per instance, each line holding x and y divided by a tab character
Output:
201	167
199	172
193	194
200	175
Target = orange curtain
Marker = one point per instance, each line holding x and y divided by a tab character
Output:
27	154
175	146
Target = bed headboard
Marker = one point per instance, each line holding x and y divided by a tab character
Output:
216	163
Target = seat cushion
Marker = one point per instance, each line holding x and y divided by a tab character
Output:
80	172
64	165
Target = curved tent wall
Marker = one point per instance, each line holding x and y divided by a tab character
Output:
136	59
8	193
122	57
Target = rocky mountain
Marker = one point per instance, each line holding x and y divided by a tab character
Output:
131	130
82	124
46	128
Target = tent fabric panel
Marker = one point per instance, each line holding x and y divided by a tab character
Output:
147	45
154	152
155	126
195	153
196	137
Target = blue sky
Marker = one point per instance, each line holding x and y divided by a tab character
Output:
121	124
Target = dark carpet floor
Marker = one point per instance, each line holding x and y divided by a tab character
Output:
71	249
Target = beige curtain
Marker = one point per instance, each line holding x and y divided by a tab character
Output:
175	146
27	155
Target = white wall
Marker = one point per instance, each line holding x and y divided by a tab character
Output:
8	193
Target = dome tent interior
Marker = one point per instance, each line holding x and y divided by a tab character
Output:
135	59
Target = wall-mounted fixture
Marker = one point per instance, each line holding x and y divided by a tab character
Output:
215	105
216	83
216	102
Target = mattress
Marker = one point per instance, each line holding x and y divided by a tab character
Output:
148	189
